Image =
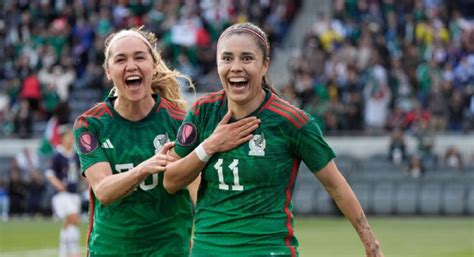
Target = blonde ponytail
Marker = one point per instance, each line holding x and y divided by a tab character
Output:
165	83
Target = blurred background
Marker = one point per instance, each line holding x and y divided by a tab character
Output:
391	84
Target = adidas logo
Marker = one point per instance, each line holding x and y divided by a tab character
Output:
107	144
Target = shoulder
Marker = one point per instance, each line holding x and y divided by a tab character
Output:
208	100
98	111
287	112
173	110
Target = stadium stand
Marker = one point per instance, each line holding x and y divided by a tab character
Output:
430	198
453	198
407	198
362	68
384	198
470	200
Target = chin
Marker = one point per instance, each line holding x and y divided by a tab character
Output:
237	98
136	97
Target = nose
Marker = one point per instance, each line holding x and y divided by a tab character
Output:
236	66
131	66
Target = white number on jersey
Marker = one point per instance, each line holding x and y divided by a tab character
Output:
128	166
235	172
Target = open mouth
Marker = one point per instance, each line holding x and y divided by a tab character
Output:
133	81
238	82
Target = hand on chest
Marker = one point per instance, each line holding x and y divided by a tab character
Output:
262	161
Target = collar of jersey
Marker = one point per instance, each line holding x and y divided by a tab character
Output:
110	104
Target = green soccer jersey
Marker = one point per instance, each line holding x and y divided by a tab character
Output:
148	221
244	202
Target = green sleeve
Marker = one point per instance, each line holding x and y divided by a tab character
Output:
188	136
310	146
86	137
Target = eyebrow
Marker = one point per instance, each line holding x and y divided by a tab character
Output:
243	53
134	54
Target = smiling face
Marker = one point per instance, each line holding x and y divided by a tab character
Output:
130	66
241	67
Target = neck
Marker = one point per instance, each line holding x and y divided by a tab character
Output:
134	111
242	110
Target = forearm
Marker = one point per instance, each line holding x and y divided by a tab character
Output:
183	172
350	207
116	186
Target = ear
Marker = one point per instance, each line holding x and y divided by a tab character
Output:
156	66
266	64
107	74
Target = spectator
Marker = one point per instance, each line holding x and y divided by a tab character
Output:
4	199
456	111
415	167
31	91
28	162
453	158
376	96
35	193
425	144
17	190
23	120
397	150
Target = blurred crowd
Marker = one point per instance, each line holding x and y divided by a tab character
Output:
376	66
373	67
50	47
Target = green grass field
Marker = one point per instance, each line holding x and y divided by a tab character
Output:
318	236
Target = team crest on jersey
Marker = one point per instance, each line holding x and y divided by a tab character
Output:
159	141
257	145
187	134
87	142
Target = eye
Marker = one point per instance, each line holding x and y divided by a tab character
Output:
140	57
119	60
226	58
247	58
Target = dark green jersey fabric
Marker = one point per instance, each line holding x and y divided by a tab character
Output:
244	202
148	221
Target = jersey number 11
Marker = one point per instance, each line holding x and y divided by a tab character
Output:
235	172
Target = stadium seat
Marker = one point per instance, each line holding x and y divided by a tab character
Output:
303	200
324	202
383	198
378	162
305	177
453	199
406	199
5	164
363	192
345	163
470	200
430	198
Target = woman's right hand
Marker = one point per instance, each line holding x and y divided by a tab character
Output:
228	136
157	163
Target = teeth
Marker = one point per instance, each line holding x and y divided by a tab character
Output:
237	80
133	78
